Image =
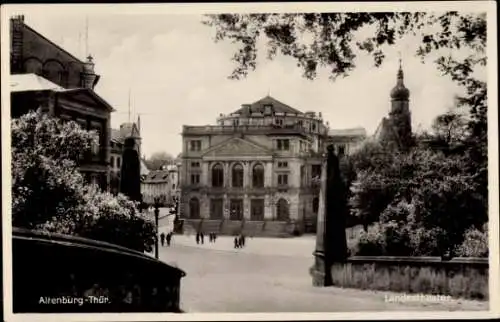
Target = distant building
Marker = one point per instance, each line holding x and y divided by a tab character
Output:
161	184
346	141
118	136
46	76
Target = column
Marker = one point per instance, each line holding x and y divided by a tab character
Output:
225	207
205	177
246	207
268	207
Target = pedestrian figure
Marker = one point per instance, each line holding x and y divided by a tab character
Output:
236	242
162	238
169	238
243	240
197	238
201	237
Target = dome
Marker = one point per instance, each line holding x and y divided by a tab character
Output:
400	92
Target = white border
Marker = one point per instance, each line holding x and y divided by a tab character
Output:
471	6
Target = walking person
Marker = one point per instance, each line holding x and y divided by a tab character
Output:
242	240
197	238
162	238
202	237
169	238
236	242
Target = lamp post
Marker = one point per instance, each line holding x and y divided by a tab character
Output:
157	213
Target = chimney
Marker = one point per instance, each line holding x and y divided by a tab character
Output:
16	37
88	76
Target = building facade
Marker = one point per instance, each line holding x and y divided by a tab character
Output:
48	77
162	185
256	164
346	141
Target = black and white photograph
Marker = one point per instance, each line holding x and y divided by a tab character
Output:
238	159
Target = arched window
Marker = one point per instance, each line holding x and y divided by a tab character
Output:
282	210
217	175
237	176
194	208
315	205
258	176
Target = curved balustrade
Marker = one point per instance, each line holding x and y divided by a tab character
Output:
55	273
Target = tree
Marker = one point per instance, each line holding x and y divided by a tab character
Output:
158	159
50	194
130	184
457	39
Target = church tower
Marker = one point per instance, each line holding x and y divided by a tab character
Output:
400	115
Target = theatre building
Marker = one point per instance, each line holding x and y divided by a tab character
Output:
254	170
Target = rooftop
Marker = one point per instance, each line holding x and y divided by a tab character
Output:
357	131
259	107
31	82
157	176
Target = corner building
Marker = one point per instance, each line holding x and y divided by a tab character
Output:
258	164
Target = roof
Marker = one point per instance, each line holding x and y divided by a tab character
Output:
51	42
144	168
34	83
156	176
258	107
31	82
357	131
171	167
126	130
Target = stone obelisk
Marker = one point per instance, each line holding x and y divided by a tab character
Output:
331	244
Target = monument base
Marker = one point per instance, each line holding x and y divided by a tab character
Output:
320	273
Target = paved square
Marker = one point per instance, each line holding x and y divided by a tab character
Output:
271	275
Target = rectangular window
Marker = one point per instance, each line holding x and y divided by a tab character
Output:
195	164
216	209
283	164
118	162
195	145
282	179
257	209
316	171
283	144
195	179
236	212
279	122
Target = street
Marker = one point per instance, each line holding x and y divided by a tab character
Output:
271	275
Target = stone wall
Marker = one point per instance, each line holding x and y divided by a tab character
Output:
458	277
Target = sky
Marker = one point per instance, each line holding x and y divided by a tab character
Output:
177	75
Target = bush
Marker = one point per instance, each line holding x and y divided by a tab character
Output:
475	243
49	193
371	243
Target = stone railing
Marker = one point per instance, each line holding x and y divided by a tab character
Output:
458	277
55	273
219	129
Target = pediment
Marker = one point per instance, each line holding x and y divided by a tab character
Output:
237	147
